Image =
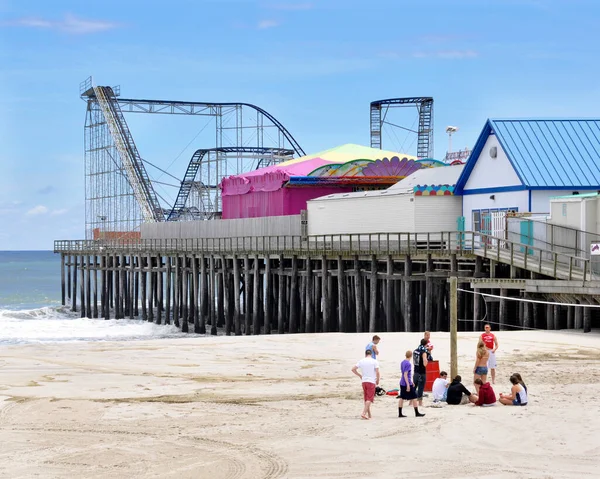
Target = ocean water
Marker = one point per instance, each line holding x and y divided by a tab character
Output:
30	309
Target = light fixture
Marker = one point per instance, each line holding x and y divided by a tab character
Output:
492	197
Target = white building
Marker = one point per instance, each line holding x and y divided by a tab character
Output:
519	165
420	203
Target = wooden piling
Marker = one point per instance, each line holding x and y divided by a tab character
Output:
74	294
341	291
293	311
373	295
237	321
256	296
325	295
268	295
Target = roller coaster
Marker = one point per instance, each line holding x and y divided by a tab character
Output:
119	191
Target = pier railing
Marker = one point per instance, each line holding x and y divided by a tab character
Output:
526	256
392	243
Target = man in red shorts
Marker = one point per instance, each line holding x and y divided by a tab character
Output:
491	343
369	374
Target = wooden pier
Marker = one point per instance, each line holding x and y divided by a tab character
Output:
289	284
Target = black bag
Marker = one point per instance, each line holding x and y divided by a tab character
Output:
379	391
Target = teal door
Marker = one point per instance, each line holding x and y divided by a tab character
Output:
526	235
460	227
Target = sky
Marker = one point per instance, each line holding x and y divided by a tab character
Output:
314	65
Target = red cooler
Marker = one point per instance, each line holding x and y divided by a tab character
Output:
433	372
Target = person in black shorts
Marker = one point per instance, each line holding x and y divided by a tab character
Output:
420	360
407	387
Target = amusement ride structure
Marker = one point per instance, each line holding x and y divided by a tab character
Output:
119	192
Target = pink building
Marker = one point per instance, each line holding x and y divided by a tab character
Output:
284	189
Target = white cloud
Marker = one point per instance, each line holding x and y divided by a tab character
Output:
59	212
69	24
265	24
37	210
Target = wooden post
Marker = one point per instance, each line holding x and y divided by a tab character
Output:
302	304
203	295
587	320
427	320
221	293
159	289
88	286
255	297
211	297
453	326
280	298
95	313
310	320
408	294
176	286
527	314
358	293
293	326
150	290
268	295
143	287
63	293
82	286
341	283
74	295
69	277
570	317
236	296
325	296
185	290
168	279
549	316
389	295
579	317
503	311
227	293
373	296
247	296
136	288
103	288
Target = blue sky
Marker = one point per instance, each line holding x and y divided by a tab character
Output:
315	65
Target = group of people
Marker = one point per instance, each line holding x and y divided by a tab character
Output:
412	381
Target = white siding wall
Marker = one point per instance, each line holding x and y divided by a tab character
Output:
540	199
437	213
566	212
509	199
269	226
379	214
491	172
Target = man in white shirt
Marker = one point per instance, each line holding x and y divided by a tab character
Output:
440	387
369	374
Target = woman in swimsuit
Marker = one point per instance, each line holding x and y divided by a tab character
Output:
480	370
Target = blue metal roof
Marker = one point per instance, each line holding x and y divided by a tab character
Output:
546	154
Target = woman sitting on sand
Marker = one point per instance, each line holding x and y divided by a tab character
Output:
518	376
480	370
517	396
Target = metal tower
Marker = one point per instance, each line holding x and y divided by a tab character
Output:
424	105
118	190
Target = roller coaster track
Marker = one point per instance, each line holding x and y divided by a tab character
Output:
195	163
130	157
200	108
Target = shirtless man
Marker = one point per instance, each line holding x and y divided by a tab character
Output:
491	343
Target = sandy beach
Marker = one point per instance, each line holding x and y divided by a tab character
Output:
288	407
